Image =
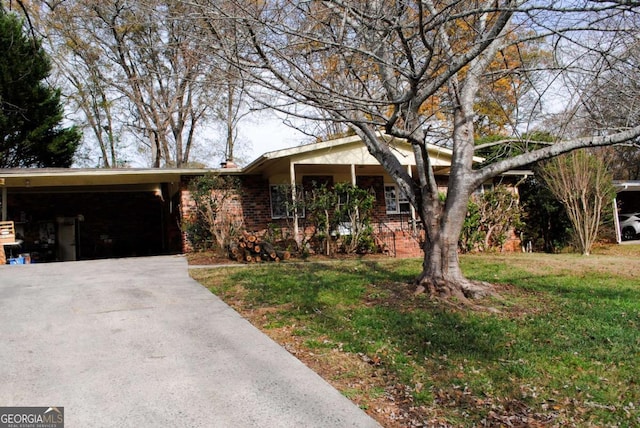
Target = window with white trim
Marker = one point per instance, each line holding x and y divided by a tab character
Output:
344	226
395	200
483	188
282	205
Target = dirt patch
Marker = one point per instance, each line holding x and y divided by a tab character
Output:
202	258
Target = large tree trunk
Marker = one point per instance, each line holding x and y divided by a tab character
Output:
441	274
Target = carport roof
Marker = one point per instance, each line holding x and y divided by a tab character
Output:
629	185
47	177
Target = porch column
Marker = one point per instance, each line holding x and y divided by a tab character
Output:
616	220
292	177
353	175
411	207
3	256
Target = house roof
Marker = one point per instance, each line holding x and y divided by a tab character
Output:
342	151
345	151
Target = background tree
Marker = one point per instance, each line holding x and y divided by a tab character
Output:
135	74
230	111
98	103
624	161
582	182
613	100
414	70
141	50
502	100
31	134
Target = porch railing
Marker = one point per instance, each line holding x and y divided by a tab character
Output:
412	226
386	239
417	230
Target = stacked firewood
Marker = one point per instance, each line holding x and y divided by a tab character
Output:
250	248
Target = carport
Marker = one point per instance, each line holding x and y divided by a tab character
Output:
627	201
81	214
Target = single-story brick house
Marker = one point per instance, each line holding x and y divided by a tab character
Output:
75	214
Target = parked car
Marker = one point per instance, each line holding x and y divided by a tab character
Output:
629	225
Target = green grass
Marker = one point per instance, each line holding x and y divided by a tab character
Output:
563	348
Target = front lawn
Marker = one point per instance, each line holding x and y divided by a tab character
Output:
560	346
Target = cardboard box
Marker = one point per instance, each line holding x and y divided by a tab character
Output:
7	232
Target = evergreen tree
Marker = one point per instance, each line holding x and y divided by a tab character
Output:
30	111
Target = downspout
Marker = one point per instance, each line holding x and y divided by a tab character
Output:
353	175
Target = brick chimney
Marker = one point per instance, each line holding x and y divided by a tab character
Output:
229	163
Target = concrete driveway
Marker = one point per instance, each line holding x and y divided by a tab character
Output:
137	343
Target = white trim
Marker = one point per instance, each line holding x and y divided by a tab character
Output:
434	150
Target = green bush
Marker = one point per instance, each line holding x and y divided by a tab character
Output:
212	225
342	218
491	217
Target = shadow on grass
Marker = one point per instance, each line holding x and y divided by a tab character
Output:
313	286
424	333
336	299
367	306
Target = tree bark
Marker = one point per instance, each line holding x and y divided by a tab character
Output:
441	275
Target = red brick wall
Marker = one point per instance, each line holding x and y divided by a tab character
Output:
407	245
252	204
254	201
